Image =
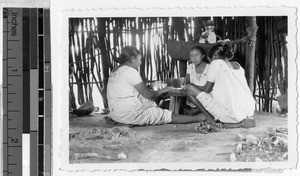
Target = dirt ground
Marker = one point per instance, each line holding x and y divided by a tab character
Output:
93	141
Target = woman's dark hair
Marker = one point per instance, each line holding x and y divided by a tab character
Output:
126	54
224	51
202	51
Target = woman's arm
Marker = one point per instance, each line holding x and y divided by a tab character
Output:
187	79
207	87
143	90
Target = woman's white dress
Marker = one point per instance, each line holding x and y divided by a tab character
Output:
231	100
127	105
196	78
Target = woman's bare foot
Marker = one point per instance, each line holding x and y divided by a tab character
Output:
218	125
246	123
201	117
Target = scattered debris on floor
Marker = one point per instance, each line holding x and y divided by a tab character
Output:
106	133
85	109
80	156
273	147
84	155
206	128
122	156
93	140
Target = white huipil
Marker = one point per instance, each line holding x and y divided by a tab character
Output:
127	105
231	100
196	78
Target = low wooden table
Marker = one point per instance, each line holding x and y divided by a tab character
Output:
175	100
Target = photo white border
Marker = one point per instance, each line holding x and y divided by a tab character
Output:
58	6
60	84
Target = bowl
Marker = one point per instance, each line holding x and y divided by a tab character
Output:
156	85
176	82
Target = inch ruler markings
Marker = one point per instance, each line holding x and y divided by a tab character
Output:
12	92
26	89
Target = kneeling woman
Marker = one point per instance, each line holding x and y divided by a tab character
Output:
226	95
130	101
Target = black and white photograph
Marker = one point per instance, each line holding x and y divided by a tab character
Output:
178	89
154	87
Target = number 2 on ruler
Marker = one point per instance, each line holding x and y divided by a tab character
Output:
14	140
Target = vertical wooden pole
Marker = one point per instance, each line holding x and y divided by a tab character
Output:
141	37
250	51
197	28
78	76
133	31
71	60
105	58
285	59
148	51
179	26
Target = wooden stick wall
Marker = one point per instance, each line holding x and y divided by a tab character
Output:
271	60
93	63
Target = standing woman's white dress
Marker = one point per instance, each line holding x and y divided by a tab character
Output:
231	100
127	105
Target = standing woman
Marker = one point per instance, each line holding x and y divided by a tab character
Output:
226	95
129	99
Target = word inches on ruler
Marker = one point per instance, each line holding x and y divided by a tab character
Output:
14	23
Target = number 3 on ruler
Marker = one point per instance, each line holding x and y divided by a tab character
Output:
46	68
14	140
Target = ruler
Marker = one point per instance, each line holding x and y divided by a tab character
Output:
26	89
12	92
